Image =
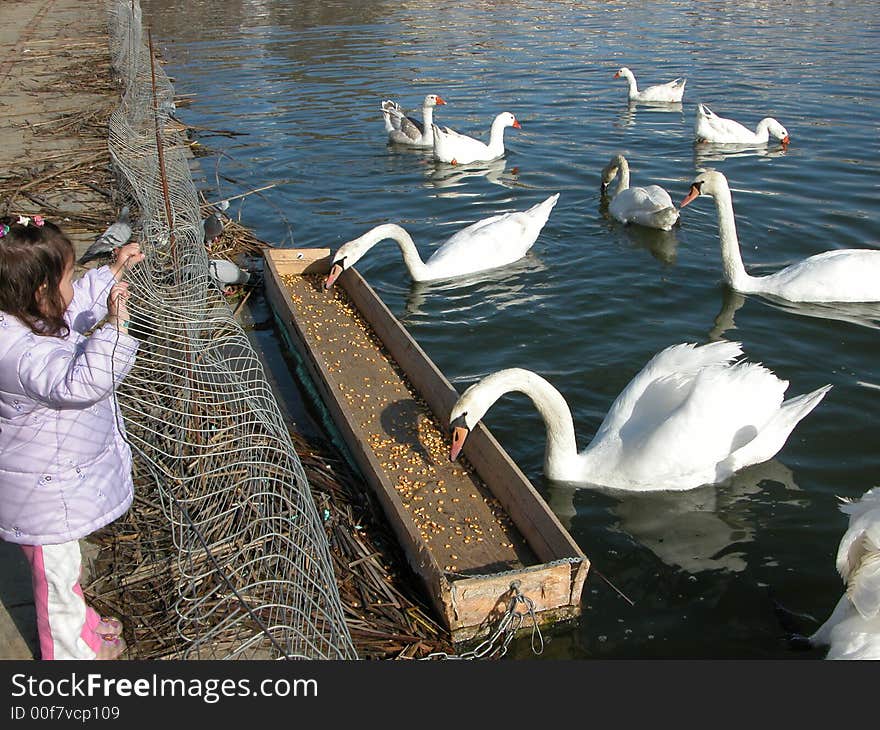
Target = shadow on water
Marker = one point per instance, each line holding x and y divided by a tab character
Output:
443	175
709	152
862	314
629	115
696	529
495	287
662	245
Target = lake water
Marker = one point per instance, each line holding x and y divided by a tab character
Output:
593	300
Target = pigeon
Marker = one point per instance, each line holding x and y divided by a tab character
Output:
227	273
118	234
212	228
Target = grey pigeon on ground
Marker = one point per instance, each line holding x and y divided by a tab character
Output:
212	228
118	234
227	273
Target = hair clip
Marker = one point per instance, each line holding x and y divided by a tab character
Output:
23	220
4	229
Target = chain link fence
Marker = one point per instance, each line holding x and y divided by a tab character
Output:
227	550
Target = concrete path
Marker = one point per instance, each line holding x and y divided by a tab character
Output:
48	53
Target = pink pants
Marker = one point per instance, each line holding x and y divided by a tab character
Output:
65	624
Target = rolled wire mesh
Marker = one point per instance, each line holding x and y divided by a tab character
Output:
248	572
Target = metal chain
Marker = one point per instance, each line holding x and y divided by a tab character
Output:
509	624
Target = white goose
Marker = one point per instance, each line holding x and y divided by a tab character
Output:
844	275
456	148
853	629
402	129
486	244
690	417
709	127
672	91
648	206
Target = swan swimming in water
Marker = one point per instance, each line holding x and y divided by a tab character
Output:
648	206
691	417
843	275
486	244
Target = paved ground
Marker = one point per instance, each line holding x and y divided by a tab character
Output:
47	49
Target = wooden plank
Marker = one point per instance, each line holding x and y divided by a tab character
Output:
464	601
524	504
474	600
421	560
298	261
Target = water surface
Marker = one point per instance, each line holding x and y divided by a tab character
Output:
594	300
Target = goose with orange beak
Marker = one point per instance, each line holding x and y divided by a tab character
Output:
709	127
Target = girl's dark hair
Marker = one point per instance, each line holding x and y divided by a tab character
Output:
31	256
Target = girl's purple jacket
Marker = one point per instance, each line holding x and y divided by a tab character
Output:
65	466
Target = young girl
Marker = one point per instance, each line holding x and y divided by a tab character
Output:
65	467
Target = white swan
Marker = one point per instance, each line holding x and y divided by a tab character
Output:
709	127
690	417
844	275
648	206
672	91
853	629
486	244
402	129
457	148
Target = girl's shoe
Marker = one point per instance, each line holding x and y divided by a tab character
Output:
109	626
111	648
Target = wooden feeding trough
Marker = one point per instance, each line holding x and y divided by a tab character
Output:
475	531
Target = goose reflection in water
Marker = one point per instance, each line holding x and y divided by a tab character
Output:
441	175
709	152
627	117
696	530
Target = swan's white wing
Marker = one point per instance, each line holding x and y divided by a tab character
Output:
840	275
724	409
632	201
657	197
683	359
858	557
485	244
850	550
863	587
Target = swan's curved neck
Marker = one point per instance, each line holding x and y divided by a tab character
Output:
561	446
731	258
633	87
411	258
622	175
